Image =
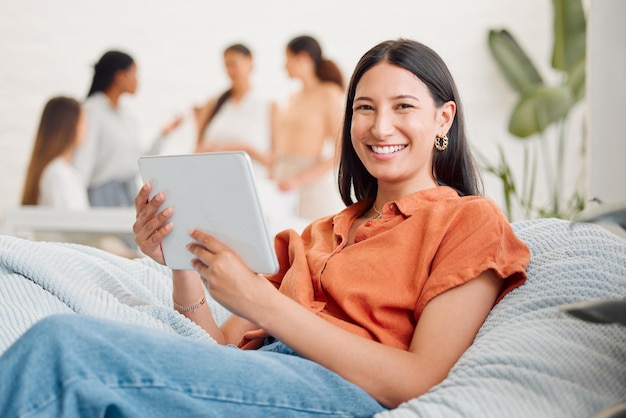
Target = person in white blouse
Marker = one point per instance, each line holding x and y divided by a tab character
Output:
238	119
51	179
108	158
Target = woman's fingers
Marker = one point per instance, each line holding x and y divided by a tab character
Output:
208	241
204	255
157	236
148	220
202	268
141	200
155	227
152	207
151	226
210	252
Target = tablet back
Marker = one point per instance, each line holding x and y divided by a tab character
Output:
214	192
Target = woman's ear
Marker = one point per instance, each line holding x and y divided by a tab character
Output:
445	116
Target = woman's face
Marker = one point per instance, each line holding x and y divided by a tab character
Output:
290	63
127	79
238	66
296	63
394	125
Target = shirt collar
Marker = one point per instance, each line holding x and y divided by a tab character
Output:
410	204
407	205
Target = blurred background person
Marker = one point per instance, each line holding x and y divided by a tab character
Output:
107	159
305	129
51	179
238	119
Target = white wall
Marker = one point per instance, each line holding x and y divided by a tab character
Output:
607	100
47	48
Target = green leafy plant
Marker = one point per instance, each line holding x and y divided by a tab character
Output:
542	111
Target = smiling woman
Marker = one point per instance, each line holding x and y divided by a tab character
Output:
421	109
393	129
369	309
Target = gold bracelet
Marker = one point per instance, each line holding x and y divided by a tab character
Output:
189	308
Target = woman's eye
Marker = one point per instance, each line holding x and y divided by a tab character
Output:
404	106
363	107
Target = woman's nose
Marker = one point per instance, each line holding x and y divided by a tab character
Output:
383	125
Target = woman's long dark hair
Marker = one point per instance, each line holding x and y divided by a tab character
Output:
325	69
55	135
454	167
106	68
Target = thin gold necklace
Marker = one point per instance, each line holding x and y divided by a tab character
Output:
379	213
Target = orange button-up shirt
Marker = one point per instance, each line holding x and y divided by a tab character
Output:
424	244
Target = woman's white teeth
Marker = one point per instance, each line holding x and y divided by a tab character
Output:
387	149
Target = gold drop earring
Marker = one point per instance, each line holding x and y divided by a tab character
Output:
441	142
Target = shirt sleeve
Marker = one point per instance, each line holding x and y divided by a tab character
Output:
290	252
478	238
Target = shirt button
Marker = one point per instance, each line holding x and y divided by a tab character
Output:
393	207
368	223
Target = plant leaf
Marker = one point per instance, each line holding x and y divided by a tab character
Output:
540	107
576	79
508	182
518	69
570	39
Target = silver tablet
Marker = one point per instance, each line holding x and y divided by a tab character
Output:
214	192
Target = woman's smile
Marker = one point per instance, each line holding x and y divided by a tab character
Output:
386	149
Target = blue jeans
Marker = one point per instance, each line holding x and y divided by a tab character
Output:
78	366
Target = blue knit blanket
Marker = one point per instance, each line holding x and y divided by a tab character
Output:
38	279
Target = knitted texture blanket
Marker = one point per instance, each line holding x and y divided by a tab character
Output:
38	279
